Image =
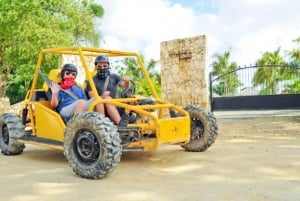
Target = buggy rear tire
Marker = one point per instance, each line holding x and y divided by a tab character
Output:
92	145
203	129
11	128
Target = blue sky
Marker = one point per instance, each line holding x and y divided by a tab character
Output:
247	27
200	6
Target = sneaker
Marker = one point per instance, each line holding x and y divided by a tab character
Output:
124	120
132	118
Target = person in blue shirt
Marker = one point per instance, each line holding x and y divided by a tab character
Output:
72	99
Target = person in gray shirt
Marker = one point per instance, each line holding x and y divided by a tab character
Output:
106	84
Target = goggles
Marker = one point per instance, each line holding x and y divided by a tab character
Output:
70	73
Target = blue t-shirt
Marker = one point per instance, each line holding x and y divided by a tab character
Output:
65	99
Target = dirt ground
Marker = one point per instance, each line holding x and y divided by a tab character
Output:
256	157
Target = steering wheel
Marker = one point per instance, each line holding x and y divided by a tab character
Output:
127	92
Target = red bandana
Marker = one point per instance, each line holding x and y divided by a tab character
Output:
68	82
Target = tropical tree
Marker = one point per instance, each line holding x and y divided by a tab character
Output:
295	53
28	26
228	82
268	73
130	66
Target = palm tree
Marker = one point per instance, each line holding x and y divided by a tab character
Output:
130	67
222	66
295	53
268	73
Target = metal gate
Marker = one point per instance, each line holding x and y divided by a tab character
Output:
256	88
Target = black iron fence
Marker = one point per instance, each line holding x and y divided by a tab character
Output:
267	80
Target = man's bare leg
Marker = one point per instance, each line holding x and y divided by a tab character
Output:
100	108
113	113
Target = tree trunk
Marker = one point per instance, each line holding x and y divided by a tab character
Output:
4	77
2	88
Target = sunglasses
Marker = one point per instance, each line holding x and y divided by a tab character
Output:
102	66
70	73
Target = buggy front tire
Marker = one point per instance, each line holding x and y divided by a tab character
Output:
203	129
92	145
11	128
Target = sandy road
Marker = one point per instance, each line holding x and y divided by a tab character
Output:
255	157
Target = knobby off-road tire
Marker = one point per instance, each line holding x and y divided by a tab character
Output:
11	128
92	145
203	129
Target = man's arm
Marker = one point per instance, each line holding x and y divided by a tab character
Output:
54	89
125	82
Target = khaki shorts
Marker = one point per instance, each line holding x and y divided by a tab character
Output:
67	111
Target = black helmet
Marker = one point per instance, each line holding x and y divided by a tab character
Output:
69	67
101	58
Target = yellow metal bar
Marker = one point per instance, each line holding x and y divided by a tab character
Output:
58	147
147	145
87	51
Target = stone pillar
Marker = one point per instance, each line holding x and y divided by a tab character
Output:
184	79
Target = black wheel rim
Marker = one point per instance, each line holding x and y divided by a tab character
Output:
5	134
87	147
197	128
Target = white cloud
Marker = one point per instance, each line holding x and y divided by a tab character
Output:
248	27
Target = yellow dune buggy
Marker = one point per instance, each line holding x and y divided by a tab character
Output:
91	143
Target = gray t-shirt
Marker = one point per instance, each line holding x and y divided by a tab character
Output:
114	79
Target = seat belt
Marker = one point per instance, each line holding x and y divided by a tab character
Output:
105	84
48	81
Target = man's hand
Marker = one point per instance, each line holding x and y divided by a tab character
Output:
54	88
126	81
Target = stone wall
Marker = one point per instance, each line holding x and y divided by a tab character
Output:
184	78
5	106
